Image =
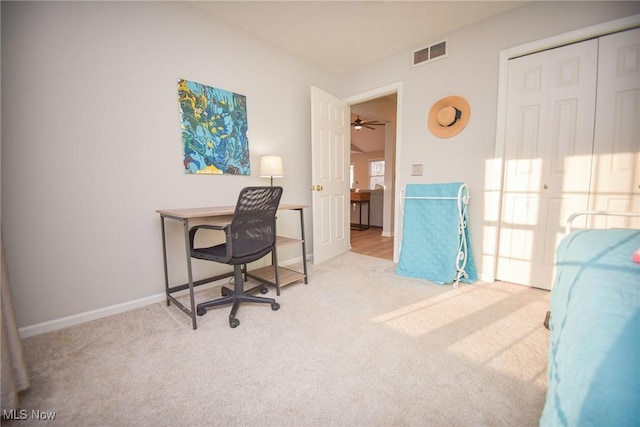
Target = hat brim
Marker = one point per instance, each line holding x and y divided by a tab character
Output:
448	131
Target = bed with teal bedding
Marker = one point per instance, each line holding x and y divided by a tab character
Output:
594	347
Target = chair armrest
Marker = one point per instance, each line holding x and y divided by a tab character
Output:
193	230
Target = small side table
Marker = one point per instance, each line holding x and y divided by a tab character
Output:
359	198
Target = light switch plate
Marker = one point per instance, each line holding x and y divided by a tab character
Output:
416	170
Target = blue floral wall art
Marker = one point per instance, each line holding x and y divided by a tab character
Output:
214	130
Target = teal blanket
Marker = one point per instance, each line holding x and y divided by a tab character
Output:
431	238
593	376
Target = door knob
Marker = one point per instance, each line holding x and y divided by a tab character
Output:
317	188
545	186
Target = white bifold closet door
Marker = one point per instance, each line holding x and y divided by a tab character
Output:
572	144
551	106
615	176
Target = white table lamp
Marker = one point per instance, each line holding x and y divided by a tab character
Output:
271	167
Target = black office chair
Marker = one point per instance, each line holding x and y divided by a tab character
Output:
250	236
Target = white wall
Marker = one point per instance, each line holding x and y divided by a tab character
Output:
471	70
91	142
361	164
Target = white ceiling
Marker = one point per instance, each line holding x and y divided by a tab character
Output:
346	35
343	36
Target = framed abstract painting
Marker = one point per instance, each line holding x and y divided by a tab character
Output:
214	130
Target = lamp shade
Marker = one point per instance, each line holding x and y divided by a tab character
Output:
271	167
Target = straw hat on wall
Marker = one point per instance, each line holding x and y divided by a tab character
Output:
449	116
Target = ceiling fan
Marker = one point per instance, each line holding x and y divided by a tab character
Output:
359	124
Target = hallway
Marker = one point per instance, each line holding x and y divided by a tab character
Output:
370	242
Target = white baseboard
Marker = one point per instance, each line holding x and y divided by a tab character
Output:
489	278
76	319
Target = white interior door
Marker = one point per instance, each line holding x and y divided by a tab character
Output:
615	181
548	147
330	148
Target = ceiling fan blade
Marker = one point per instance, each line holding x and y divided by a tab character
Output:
368	127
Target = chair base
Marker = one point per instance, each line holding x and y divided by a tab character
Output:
237	296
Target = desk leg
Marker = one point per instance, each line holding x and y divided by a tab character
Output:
190	272
304	247
164	258
368	214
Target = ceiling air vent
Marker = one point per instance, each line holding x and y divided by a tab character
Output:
430	53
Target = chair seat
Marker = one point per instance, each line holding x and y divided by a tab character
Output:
212	253
218	253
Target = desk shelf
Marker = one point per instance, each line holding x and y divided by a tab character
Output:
287	276
268	274
284	241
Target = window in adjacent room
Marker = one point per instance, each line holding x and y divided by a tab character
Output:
376	173
352	175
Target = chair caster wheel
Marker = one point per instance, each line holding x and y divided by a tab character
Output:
234	323
275	306
264	290
201	311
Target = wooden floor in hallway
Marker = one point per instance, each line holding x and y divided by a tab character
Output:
371	242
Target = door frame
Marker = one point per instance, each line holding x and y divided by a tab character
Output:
497	172
378	93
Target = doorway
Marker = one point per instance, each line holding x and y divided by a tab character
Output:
372	147
371	242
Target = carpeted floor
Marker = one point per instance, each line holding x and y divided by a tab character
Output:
357	346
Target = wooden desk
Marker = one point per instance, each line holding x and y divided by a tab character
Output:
222	215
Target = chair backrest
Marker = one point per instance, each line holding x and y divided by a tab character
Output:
253	227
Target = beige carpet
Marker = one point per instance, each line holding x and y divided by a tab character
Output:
357	346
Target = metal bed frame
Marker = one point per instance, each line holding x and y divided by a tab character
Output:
572	217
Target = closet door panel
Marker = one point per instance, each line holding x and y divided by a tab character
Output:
615	183
551	105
